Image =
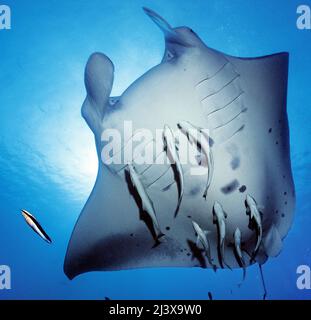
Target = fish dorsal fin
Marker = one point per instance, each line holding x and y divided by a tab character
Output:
273	242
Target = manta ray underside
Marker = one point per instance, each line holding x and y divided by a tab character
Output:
132	218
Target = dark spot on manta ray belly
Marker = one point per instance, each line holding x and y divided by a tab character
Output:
194	191
235	158
230	187
235	163
242	189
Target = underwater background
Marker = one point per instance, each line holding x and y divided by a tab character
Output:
48	161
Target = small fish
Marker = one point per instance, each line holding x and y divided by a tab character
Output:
237	246
170	148
35	225
219	217
147	204
202	237
253	210
203	143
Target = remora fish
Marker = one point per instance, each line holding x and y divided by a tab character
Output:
35	225
253	211
202	237
172	154
147	204
203	143
219	217
237	246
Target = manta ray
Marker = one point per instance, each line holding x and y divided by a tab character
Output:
241	102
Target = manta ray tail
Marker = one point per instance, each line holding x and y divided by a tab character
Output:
263	282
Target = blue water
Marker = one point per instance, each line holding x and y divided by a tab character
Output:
47	156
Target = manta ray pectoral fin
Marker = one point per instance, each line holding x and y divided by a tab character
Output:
98	79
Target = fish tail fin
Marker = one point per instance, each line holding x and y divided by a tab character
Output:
205	194
160	235
214	267
253	255
243	278
257	244
156	244
178	206
157	240
227	265
48	240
